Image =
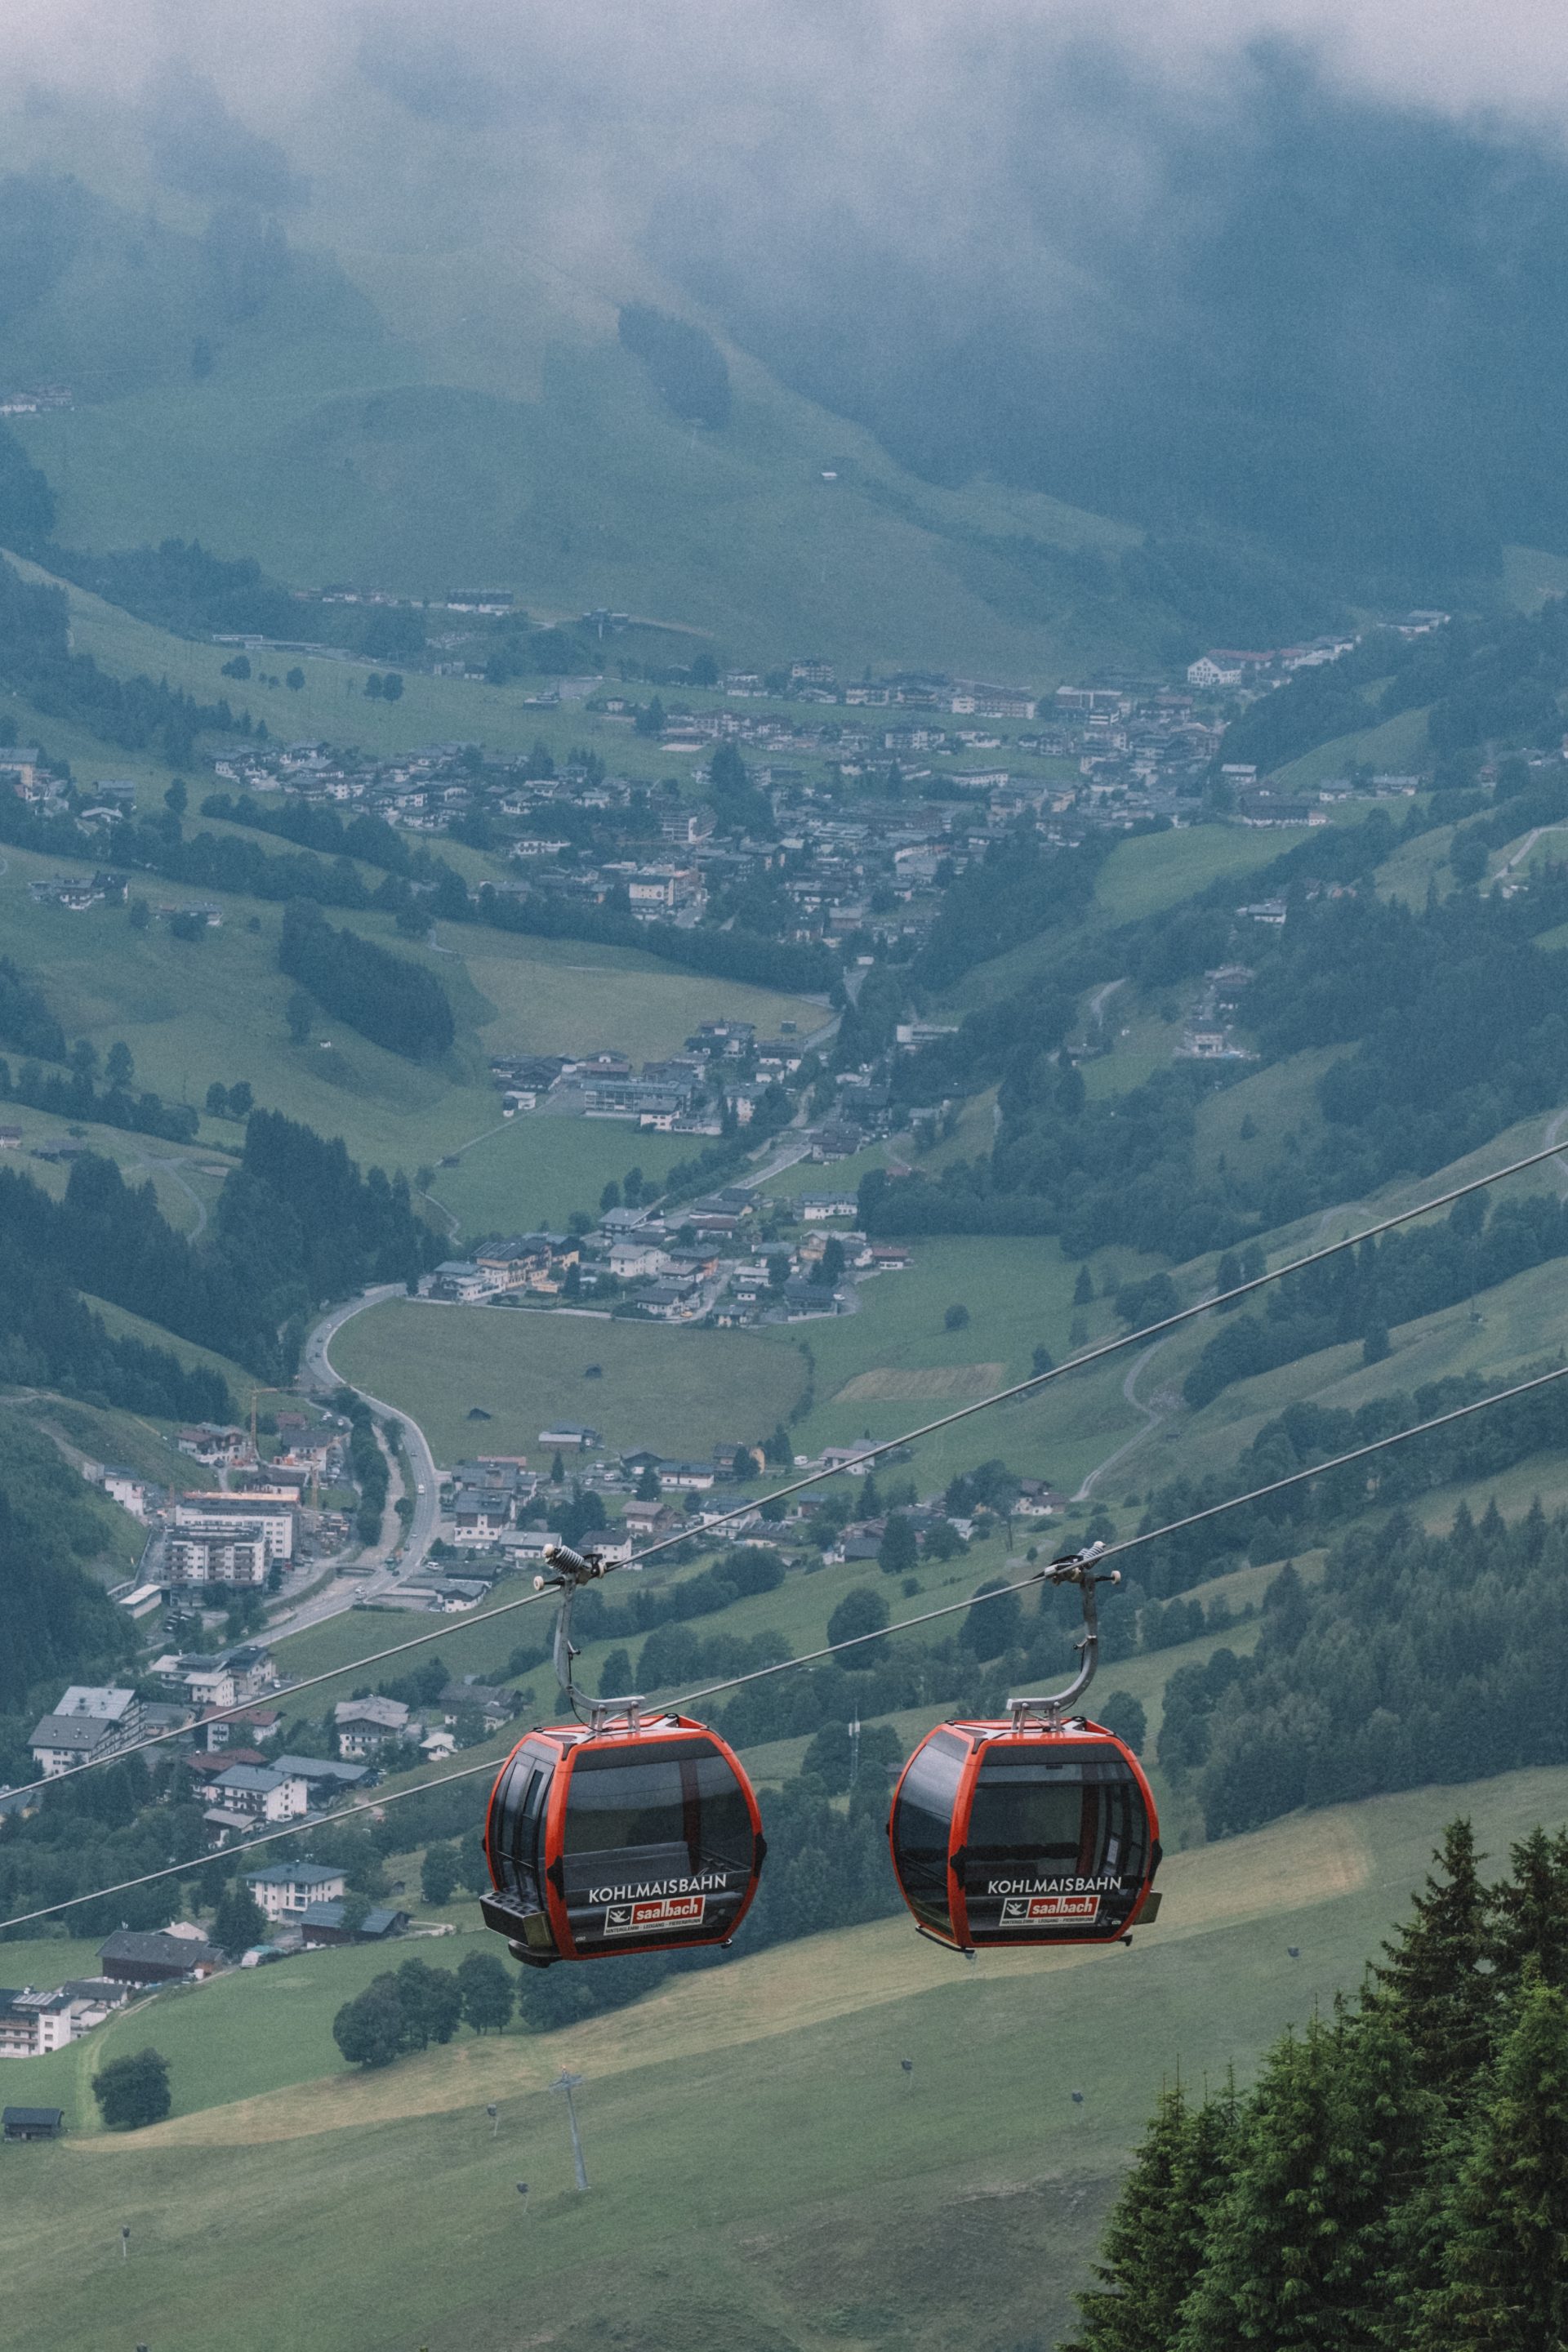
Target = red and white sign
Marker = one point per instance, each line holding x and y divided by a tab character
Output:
668	1911
1030	1910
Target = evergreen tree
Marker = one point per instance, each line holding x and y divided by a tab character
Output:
1297	2256
900	1548
1532	1910
1158	2231
1505	2284
239	1920
1436	1983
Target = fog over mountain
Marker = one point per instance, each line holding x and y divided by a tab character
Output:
1289	274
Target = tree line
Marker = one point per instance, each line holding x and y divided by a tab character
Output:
60	1624
387	998
1487	677
1304	1433
296	1223
35	661
1417	1658
1363	1292
1396	2178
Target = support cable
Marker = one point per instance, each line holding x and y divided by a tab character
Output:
865	1454
812	1657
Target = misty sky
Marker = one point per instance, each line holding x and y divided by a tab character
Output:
902	62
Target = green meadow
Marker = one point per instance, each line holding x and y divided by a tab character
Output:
763	2169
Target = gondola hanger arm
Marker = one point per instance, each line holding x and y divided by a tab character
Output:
1072	1568
571	1570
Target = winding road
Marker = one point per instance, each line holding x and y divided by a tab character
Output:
402	1555
1153	1415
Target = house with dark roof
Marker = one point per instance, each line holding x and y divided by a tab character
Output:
32	2123
322	1923
159	1958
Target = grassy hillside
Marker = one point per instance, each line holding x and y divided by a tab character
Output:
194	1010
423	401
763	2170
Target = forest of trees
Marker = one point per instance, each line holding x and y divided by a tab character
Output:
60	1623
36	660
295	1225
1396	2178
1488	677
1449	1019
1481	1447
1363	1294
388	998
1017	890
1417	1658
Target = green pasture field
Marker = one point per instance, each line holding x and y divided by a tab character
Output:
194	1012
685	1390
975	1132
101	1433
1018	1292
677	1389
1281	1097
121	1324
175	1171
1397	746
734	534
465	1648
532	1171
1154	1030
756	2153
1144	875
1419	866
1530	575
1517	1326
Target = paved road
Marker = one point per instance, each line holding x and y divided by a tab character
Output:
1154	1415
344	1590
170	1169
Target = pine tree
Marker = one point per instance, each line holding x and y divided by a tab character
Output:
1436	1985
1532	1910
1297	2254
1505	2285
239	1921
1155	2240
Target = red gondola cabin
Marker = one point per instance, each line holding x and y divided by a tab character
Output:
1036	1831
630	1834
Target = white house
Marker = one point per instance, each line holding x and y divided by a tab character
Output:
364	1726
631	1260
1207	671
816	1207
124	1487
88	1723
285	1888
259	1793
